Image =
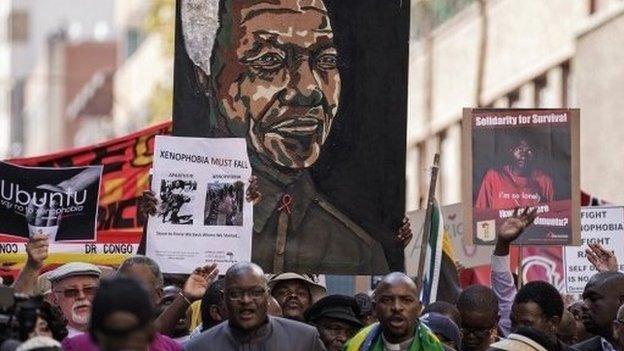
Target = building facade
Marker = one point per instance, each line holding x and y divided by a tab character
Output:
516	54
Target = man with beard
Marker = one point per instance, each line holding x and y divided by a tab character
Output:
295	294
603	295
478	307
249	327
145	271
271	75
397	307
335	318
518	176
73	288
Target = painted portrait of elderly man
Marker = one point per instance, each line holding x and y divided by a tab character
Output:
319	91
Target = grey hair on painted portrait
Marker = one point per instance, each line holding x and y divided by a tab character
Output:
200	22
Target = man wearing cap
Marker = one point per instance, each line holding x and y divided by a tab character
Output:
295	293
335	318
123	317
73	287
444	328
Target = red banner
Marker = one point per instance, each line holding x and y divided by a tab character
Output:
126	163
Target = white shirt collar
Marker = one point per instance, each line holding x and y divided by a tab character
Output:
71	332
606	345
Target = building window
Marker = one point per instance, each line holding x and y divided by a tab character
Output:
513	99
566	86
540	92
18	26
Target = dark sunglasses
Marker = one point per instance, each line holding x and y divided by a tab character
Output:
72	293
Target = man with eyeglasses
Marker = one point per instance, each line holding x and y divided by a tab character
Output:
73	287
478	308
295	293
249	327
145	272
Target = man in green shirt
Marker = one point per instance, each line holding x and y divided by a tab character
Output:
398	307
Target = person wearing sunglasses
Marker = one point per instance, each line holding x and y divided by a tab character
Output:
73	288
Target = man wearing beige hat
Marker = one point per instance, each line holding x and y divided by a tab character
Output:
295	293
73	288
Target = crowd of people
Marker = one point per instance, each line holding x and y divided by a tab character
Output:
86	307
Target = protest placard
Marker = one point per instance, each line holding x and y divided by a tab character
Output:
521	158
60	203
599	225
468	255
203	216
315	138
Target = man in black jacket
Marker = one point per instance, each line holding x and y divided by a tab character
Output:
539	305
603	295
249	327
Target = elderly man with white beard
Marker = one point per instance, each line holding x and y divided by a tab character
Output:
73	288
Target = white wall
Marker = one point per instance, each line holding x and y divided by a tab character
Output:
599	86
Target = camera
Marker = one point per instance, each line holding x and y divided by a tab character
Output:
18	314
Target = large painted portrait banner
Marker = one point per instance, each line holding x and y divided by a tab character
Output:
518	159
318	88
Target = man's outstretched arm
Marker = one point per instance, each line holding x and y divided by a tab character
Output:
502	279
37	251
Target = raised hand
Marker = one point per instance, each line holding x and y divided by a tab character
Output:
253	194
602	259
513	226
37	250
511	229
199	281
148	203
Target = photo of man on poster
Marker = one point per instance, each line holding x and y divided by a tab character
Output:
282	92
518	183
517	159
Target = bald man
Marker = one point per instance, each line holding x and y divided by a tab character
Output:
249	327
603	295
397	306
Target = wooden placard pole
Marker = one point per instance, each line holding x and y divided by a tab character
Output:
520	270
427	225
